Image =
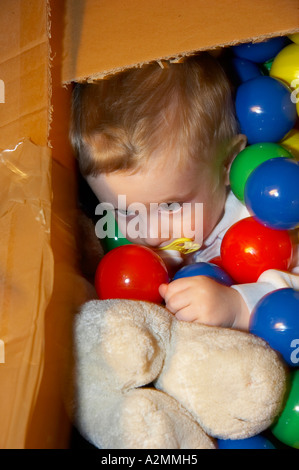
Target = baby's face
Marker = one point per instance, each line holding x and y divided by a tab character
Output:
163	203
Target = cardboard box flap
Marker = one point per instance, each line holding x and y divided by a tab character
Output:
107	36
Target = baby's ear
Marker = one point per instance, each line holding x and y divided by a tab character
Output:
236	145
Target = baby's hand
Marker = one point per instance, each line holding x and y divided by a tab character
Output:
203	300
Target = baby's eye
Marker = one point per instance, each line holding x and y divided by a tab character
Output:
170	207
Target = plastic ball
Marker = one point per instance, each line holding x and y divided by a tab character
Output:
205	269
291	142
285	66
294	37
114	236
286	428
255	442
266	66
131	272
244	69
265	110
272	193
249	248
248	159
276	319
109	243
260	51
216	260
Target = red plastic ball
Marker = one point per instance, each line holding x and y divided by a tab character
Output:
249	248
217	260
131	272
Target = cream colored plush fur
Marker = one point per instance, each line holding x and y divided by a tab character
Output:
144	380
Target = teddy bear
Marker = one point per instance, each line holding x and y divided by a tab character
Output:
145	380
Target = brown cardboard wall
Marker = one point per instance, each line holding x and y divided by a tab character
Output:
37	225
26	259
41	286
106	36
24	61
50	423
26	270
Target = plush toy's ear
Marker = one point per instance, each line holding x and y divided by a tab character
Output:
121	342
231	381
145	418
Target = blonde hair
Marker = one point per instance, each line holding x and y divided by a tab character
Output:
119	124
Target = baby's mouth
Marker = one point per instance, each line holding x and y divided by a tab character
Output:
183	245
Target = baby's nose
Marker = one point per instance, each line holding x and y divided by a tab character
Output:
155	235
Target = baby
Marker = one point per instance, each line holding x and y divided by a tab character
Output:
164	136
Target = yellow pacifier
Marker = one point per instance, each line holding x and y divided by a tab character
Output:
183	245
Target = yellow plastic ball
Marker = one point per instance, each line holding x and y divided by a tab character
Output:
294	37
285	66
291	142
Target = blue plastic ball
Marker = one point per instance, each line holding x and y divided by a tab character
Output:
255	442
244	69
205	269
272	193
260	51
265	110
276	319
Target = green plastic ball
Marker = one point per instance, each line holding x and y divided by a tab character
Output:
286	428
266	66
248	159
114	237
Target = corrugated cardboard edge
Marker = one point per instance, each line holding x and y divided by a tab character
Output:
50	62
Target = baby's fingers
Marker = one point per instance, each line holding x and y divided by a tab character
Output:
163	290
176	301
186	314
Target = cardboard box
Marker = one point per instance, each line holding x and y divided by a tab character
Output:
45	45
39	277
108	36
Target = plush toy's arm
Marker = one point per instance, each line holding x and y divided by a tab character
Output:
231	381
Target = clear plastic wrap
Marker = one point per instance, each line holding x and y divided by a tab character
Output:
27	269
